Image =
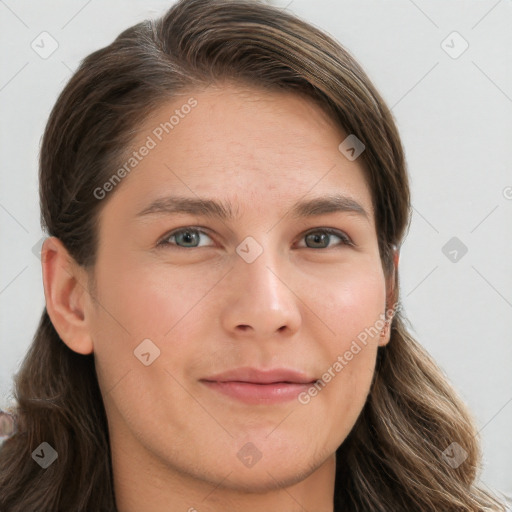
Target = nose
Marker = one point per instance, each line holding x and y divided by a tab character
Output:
261	299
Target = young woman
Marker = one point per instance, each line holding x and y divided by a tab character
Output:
225	194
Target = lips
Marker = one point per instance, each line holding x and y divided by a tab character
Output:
254	386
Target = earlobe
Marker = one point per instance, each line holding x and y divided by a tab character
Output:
391	297
396	256
385	334
65	294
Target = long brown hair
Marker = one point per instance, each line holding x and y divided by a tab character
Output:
392	459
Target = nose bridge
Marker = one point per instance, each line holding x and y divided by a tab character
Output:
259	266
260	298
263	272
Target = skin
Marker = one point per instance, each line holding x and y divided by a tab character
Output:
174	441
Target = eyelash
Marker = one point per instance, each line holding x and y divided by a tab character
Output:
164	243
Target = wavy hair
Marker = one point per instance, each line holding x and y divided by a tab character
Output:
392	460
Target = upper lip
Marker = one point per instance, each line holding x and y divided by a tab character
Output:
257	376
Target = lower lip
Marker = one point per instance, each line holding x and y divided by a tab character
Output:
250	393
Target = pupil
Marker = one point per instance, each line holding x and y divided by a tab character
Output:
188	236
320	238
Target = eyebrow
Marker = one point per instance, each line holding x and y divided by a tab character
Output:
215	209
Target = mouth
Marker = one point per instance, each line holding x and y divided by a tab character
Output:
253	386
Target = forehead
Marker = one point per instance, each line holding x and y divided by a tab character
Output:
246	146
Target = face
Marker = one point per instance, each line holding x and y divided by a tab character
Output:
258	283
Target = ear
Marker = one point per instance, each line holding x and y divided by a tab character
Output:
65	291
391	298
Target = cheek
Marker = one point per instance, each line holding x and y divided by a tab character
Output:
350	303
141	303
155	302
150	299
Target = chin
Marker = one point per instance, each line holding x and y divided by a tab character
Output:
267	477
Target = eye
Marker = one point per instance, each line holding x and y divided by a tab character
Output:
185	238
189	238
320	238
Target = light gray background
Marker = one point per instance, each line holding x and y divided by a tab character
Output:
455	119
